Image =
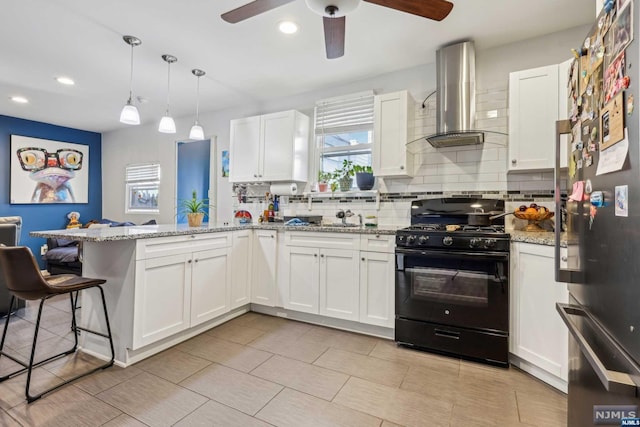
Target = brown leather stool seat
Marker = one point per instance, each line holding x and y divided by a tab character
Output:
24	280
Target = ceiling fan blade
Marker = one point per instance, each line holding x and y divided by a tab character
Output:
252	9
334	36
432	9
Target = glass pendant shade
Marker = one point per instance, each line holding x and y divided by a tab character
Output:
129	114
197	132
167	125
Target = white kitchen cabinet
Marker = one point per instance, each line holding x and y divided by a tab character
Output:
320	274
271	147
180	282
377	280
301	279
241	261
393	124
538	338
339	284
533	111
209	285
563	108
263	289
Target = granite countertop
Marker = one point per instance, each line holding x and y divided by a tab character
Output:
107	234
547	238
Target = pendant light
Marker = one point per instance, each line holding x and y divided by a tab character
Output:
167	125
197	132
129	114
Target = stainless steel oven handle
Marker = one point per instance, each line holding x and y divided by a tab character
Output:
454	254
613	381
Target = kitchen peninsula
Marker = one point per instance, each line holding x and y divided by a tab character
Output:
168	283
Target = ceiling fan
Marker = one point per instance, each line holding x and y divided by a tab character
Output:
333	15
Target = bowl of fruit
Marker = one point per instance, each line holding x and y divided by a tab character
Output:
534	214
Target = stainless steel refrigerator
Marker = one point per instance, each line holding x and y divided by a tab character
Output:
599	254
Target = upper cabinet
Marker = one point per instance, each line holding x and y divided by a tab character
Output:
393	121
271	147
537	99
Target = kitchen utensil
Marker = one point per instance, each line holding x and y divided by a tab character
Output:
484	219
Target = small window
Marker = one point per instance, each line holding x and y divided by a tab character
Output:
142	188
344	130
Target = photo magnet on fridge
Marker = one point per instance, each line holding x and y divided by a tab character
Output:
612	122
622	200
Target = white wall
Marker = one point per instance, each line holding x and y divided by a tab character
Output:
440	170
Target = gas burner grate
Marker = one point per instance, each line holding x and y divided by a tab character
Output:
427	227
485	229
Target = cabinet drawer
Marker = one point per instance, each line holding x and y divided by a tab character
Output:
377	243
323	240
163	246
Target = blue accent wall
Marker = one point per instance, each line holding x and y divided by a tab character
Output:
48	216
193	171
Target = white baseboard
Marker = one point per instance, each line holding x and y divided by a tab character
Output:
541	374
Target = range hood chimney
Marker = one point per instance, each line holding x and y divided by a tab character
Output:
456	97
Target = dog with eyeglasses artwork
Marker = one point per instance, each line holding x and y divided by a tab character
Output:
53	171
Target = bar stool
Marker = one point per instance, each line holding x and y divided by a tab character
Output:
23	280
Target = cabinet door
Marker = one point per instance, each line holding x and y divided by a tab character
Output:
377	281
339	283
209	283
244	149
393	114
563	108
539	337
241	255
533	111
263	289
162	298
276	156
300	286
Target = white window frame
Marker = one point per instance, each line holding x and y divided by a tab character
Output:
343	114
141	177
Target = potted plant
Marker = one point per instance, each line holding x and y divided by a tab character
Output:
324	179
364	177
344	175
195	209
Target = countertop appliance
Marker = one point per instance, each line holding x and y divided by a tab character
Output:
601	263
452	281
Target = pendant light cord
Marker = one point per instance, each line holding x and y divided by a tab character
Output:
131	77
198	101
168	85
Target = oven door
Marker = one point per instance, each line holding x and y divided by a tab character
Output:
466	289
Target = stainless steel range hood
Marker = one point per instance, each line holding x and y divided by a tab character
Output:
456	97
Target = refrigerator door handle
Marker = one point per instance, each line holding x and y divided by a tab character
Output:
563	127
613	381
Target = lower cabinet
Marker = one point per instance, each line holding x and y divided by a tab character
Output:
263	275
301	279
241	261
538	335
339	284
377	294
176	292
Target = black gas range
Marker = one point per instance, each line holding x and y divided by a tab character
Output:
452	280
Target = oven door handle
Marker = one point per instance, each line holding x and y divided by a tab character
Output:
456	254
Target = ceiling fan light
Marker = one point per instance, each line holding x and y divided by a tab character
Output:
288	27
129	114
167	125
343	6
197	132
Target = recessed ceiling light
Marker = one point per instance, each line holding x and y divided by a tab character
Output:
19	99
288	27
65	81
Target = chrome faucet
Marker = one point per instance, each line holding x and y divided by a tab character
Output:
343	215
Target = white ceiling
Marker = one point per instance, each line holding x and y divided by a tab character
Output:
246	62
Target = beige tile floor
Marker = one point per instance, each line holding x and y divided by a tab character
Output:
258	371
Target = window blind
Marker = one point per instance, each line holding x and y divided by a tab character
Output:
344	114
148	172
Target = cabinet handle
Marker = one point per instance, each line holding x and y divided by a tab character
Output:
189	261
255	175
402	167
321	255
514	161
564	259
377	236
193	236
363	259
196	261
272	236
315	255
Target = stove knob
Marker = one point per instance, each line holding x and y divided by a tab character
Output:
411	239
475	242
447	241
400	239
490	243
423	240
